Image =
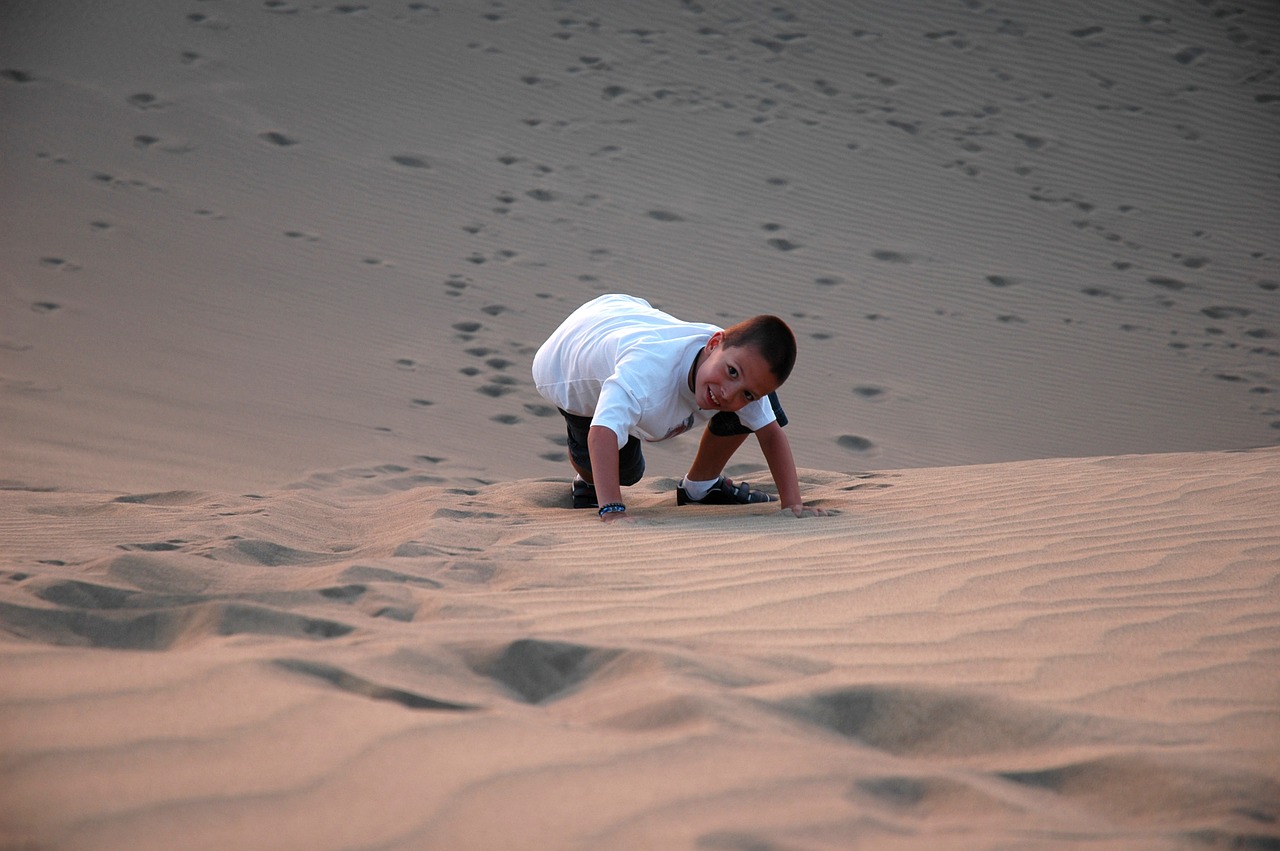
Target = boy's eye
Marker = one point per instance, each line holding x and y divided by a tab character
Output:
733	372
751	397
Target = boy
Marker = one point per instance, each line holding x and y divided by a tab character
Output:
621	371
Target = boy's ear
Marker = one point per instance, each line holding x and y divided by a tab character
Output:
716	339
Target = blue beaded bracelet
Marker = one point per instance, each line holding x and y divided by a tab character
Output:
612	508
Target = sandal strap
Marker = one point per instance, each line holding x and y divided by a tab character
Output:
742	491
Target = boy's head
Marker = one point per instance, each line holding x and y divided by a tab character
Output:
771	338
744	363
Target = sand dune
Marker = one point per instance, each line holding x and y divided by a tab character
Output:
286	558
246	241
1077	651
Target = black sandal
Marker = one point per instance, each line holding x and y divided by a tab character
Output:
724	493
584	494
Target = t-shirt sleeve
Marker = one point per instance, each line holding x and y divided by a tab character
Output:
617	409
757	415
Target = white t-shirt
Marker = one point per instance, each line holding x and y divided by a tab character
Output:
626	365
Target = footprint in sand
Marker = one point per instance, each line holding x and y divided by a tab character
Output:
280	140
500	384
498	387
1164	283
535	671
411	161
854	443
908	721
204	21
146	142
144	100
1226	312
155	546
123	183
1188	55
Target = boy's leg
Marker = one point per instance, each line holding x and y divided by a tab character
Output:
630	460
723	436
714	452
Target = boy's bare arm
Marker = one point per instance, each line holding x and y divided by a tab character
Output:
782	466
602	444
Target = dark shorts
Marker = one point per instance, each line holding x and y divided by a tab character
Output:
725	424
631	459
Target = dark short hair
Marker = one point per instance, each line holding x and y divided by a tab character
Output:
771	338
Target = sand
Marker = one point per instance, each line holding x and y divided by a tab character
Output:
285	553
1032	654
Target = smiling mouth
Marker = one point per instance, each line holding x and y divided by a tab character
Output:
711	397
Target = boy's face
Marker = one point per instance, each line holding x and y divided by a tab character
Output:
731	377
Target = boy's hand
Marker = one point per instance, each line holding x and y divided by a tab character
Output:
806	510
